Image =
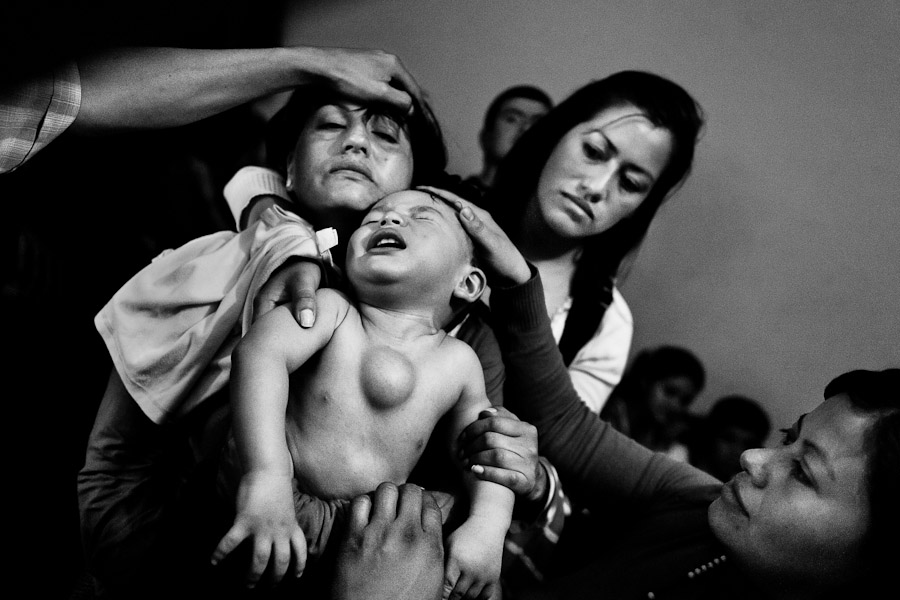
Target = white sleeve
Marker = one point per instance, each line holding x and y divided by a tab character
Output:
598	366
247	184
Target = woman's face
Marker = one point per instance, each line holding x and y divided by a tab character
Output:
799	512
601	171
348	157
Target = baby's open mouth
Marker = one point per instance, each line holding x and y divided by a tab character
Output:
386	238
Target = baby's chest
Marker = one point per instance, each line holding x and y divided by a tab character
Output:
391	379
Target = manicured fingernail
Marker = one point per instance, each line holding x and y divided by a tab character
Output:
467	213
306	318
477	469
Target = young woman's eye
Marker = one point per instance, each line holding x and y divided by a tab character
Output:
799	474
632	186
596	149
788	436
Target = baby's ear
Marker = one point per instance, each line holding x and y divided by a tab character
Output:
470	287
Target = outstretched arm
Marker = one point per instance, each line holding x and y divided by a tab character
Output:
475	549
141	88
262	363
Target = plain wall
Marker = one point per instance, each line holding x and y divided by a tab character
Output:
777	263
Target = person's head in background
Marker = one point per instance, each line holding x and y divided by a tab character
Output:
589	177
339	157
509	115
651	402
734	424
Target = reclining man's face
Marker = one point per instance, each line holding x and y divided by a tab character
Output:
348	157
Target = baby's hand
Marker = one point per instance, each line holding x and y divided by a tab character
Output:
474	556
265	512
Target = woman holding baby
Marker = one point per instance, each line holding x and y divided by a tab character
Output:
598	166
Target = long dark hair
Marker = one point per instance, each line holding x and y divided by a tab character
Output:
665	104
878	393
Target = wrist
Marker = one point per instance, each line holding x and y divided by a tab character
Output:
539	493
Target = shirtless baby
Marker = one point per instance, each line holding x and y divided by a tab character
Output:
360	392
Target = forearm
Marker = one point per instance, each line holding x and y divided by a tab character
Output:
490	503
259	401
141	88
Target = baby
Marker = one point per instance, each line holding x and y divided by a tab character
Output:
352	401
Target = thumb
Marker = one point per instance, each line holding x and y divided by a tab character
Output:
451	575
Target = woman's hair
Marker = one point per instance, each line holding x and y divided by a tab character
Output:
426	140
878	392
666	105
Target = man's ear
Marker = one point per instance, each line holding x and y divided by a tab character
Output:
470	287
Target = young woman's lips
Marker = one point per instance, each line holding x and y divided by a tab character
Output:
581	203
733	490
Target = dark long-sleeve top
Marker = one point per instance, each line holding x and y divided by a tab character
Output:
651	511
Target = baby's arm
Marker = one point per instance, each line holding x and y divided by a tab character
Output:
475	549
262	362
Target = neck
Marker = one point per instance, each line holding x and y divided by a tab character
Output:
772	587
488	174
399	323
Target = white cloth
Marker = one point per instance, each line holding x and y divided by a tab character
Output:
171	328
599	365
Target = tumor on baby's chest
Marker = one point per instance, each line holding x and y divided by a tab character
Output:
387	377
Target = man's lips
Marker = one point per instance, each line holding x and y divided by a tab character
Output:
353	167
581	203
388	238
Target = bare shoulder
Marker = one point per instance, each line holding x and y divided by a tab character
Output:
463	357
332	303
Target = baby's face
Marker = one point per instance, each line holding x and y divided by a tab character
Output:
410	233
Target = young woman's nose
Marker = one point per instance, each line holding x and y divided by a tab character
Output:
594	185
756	463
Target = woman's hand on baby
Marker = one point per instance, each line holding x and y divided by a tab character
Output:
265	513
295	283
504	264
501	448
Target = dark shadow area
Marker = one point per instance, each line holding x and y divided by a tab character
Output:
81	218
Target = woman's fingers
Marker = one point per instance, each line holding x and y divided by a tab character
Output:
505	263
514	480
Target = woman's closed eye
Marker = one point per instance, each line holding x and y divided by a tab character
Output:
631	185
331	125
595	151
798	473
386	136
